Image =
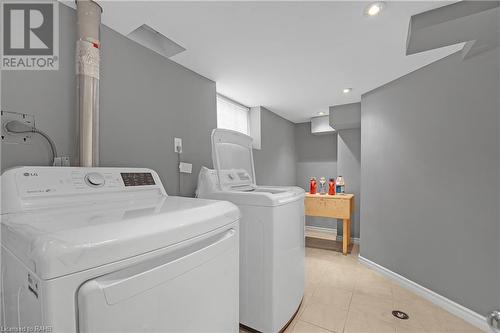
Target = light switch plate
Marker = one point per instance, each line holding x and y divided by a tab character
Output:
178	145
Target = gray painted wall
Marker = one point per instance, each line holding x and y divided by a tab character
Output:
146	101
316	157
430	173
49	96
498	207
349	166
275	162
345	116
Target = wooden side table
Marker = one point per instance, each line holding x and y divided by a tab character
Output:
339	206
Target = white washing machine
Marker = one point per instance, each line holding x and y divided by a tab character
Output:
106	250
271	233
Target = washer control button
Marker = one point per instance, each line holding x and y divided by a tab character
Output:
94	179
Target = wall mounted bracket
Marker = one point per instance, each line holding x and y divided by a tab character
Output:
23	138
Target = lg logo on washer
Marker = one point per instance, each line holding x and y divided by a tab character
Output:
30	174
30	35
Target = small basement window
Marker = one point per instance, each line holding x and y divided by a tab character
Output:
232	115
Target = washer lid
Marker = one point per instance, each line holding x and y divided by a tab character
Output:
56	242
233	158
263	196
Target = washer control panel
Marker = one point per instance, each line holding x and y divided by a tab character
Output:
26	188
94	179
235	178
44	181
137	178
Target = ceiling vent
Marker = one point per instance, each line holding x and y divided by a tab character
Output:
152	39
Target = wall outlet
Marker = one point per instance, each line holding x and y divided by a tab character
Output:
178	145
61	161
185	167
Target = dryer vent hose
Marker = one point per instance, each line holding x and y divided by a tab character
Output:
18	127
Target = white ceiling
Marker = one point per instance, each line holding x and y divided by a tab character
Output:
292	57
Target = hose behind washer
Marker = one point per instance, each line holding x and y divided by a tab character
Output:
11	128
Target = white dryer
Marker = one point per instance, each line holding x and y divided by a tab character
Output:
271	233
106	250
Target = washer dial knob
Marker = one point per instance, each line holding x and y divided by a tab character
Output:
94	179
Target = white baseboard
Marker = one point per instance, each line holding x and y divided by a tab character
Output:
458	310
354	240
328	230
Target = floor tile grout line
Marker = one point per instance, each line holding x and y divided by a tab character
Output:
323	328
348	310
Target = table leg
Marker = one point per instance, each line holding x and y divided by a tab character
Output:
345	236
348	232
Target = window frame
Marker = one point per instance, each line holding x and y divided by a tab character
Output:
238	105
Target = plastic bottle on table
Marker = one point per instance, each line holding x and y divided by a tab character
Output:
331	187
313	186
340	188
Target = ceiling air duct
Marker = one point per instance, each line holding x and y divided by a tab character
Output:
156	41
87	78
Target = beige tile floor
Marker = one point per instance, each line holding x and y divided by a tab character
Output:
344	296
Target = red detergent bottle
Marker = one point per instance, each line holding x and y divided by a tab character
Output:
313	186
331	187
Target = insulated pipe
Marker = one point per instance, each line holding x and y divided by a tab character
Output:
87	77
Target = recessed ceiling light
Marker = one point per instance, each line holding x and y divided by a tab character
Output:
374	8
346	90
321	113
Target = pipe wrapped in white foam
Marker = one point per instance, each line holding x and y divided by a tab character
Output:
87	72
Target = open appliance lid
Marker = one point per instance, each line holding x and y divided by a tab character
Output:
233	159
